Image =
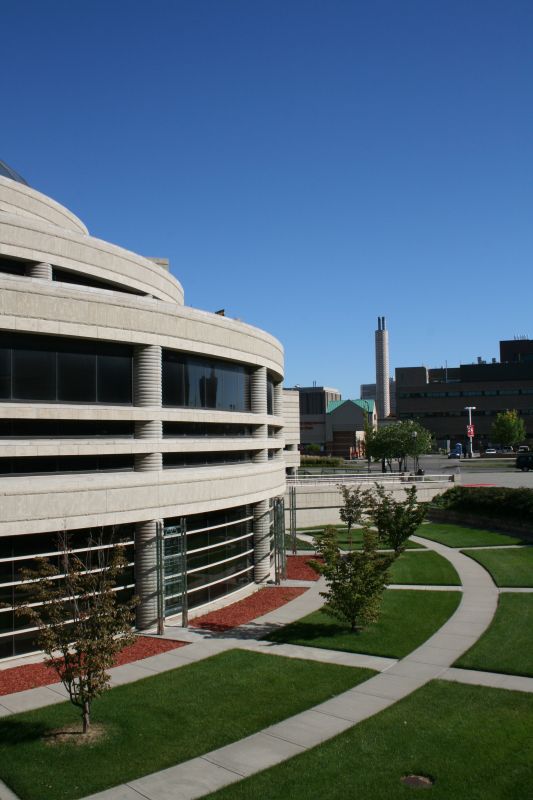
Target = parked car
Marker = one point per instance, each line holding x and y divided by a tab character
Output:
507	450
454	454
524	461
523	449
490	451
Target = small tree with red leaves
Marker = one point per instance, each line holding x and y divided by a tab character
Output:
82	625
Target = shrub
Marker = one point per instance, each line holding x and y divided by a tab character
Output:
395	520
494	501
321	461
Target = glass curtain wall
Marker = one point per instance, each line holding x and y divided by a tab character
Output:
219	557
17	553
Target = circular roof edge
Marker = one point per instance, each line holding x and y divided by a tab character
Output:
8	172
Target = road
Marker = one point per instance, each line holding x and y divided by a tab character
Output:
484	471
487	472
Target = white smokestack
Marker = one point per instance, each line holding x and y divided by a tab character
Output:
382	370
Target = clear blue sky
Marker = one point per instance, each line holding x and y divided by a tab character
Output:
306	165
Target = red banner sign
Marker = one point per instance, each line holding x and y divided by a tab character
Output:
470	431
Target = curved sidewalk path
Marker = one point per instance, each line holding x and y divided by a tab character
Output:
226	765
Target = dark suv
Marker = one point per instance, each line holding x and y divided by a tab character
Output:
524	461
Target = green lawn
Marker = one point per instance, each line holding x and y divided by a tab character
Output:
408	618
357	541
312	528
424	568
473	741
301	544
507	645
357	538
160	721
507	567
457	536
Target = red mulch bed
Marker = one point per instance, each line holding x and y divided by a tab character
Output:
29	676
246	610
298	568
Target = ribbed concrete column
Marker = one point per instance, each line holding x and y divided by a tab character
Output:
147	375
261	541
147	392
278	399
43	271
148	462
146	573
152	429
258	392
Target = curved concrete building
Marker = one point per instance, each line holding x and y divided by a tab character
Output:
126	415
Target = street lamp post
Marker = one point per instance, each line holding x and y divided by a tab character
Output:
470	430
414	434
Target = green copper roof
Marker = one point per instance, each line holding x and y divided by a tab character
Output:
366	405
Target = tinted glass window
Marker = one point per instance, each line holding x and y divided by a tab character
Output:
5	373
214	429
114	377
34	373
47	464
196	382
212	383
63	428
12	267
204	459
230	389
76	376
270	396
173	380
52	369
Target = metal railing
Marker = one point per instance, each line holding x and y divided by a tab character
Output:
386	478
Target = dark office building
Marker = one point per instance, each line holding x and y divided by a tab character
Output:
437	397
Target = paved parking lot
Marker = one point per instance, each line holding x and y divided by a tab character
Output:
479	470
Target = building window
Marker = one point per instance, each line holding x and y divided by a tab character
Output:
39	465
270	395
174	460
194	382
64	429
59	370
205	429
219	560
19	552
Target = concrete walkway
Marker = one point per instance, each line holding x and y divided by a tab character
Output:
396	679
226	765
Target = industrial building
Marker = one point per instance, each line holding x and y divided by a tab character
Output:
438	397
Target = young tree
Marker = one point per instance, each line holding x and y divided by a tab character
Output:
395	520
325	542
399	440
354	504
508	428
355	582
81	624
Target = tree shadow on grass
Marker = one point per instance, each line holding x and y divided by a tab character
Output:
14	731
304	631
